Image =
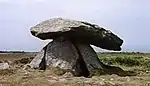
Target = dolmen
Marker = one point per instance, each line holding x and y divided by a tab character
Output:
70	48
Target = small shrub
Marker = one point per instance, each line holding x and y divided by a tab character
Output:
145	63
121	60
23	61
7	72
31	58
127	61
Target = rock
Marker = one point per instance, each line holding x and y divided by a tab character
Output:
89	56
4	66
88	59
35	63
67	75
77	31
58	53
70	50
79	59
61	53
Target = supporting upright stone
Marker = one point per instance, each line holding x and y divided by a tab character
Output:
35	63
58	53
89	56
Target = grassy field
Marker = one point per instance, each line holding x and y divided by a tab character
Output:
18	75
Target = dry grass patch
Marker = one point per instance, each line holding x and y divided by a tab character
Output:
7	72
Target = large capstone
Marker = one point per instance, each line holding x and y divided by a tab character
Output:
80	31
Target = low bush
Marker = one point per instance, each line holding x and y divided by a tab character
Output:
23	61
125	59
7	72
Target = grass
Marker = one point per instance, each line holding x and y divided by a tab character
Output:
137	62
127	60
7	72
57	71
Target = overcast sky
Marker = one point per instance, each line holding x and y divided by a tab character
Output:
129	19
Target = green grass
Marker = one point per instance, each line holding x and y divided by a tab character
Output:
126	59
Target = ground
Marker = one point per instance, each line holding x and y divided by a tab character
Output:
20	75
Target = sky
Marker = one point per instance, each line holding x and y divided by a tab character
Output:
129	19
